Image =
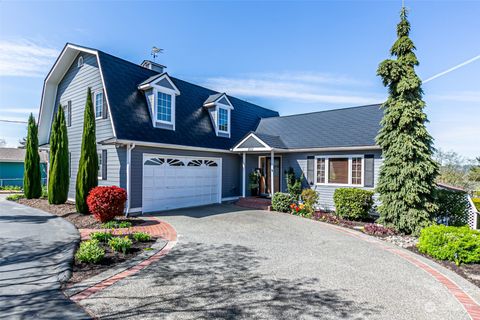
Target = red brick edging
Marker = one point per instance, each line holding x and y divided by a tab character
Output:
159	229
471	306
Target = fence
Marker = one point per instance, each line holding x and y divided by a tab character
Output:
473	216
16	182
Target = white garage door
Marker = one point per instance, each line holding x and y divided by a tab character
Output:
171	182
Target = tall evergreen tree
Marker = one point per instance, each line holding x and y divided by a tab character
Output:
32	179
59	179
408	172
87	176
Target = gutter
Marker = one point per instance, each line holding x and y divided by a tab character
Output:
130	147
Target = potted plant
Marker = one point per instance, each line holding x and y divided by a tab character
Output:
253	183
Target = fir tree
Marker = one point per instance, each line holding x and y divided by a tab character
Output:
32	179
87	176
408	172
59	179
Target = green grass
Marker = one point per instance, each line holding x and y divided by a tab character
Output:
15	197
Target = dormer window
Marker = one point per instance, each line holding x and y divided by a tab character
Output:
223	120
220	110
164	107
161	92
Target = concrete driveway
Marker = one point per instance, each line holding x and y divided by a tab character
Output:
36	249
232	263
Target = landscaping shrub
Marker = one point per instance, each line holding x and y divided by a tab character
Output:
32	178
90	252
44	192
453	207
378	230
120	244
353	203
15	197
141	236
294	184
330	218
114	224
476	202
11	188
458	244
101	236
281	202
106	202
309	198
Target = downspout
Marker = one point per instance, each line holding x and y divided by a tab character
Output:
129	177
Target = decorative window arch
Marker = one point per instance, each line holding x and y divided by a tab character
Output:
80	62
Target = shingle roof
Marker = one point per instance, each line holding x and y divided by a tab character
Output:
17	155
193	126
150	79
348	127
213	97
272	141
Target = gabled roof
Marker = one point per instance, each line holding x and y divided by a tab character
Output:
338	128
132	120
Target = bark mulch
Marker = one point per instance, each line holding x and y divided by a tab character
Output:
471	272
82	271
68	212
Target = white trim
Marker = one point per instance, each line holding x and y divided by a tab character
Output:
106	95
95	93
166	146
172	95
280	171
349	157
151	84
252	134
228	120
134	210
129	177
244	176
230	198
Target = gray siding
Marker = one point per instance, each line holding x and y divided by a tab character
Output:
231	170
298	161
73	87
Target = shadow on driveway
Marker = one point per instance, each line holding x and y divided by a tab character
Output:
201	212
197	280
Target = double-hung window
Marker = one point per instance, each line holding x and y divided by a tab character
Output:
164	107
339	170
223	120
98	96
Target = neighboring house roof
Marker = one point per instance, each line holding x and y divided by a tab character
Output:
347	127
17	155
131	116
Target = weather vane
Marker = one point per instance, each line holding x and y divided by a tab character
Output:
155	52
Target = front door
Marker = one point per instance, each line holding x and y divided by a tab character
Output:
265	180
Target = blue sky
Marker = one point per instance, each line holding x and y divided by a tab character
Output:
290	56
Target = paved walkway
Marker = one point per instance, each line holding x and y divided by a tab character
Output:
36	249
232	263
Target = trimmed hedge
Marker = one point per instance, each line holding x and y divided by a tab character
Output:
353	203
281	201
106	202
458	244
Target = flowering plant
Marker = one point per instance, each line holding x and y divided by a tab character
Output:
299	209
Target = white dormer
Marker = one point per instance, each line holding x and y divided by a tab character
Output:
220	110
160	92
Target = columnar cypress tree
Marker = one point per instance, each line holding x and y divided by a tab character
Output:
408	172
59	179
87	176
32	179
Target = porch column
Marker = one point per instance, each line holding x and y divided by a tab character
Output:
243	173
272	164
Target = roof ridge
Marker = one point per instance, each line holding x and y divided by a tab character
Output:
329	110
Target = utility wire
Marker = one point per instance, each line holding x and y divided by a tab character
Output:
13	121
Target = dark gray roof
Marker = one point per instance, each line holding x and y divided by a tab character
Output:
193	126
150	79
213	97
272	141
17	155
348	127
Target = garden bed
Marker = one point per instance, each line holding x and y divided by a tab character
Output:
68	212
471	271
82	271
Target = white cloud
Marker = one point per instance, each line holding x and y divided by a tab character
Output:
301	86
24	58
459	96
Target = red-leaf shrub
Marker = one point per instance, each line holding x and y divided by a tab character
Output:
378	230
106	202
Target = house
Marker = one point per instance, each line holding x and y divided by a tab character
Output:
172	144
11	166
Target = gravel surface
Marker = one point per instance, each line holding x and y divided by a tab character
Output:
232	263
